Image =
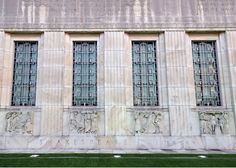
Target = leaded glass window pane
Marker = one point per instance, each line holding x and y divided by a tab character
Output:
85	74
25	74
205	73
144	73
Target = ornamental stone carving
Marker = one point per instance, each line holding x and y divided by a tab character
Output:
82	122
148	122
19	122
214	122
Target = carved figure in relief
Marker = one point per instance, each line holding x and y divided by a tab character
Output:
213	122
19	122
83	122
28	123
204	124
223	122
76	122
148	122
141	122
157	122
94	122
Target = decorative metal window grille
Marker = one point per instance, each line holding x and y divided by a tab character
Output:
205	73
144	73
85	74
25	74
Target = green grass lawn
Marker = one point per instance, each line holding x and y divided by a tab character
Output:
126	160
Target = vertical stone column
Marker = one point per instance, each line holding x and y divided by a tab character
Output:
114	83
2	115
231	50
225	79
180	84
50	83
7	58
162	77
1	61
224	71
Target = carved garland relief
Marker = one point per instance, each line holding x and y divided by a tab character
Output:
19	122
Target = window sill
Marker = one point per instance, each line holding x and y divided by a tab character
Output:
212	109
146	108
21	109
84	108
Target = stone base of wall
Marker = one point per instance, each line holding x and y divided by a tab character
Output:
103	144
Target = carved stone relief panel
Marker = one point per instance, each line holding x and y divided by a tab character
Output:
83	122
19	122
214	122
149	120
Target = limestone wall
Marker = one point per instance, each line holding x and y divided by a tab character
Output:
117	14
114	124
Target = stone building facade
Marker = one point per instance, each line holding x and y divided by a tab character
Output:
78	75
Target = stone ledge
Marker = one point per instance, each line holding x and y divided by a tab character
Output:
118	143
21	109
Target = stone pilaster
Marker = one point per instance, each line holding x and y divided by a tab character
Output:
51	82
1	60
231	50
114	71
224	70
2	44
180	84
7	58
